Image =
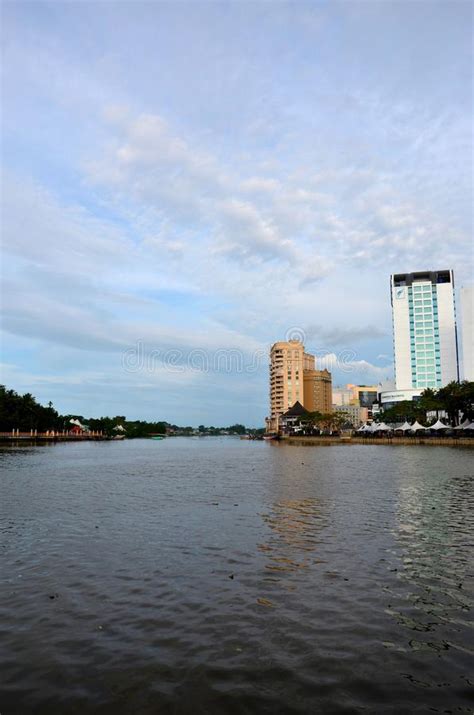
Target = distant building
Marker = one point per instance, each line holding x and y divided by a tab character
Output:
294	378
356	415
389	398
467	331
341	396
363	395
291	419
317	392
424	329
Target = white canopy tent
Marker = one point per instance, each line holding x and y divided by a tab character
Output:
438	426
464	425
76	422
404	428
382	427
416	426
470	426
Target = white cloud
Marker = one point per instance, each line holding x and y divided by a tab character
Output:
346	368
219	194
362	213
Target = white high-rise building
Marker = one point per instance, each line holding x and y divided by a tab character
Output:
467	331
424	329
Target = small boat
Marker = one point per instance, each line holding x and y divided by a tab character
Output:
270	437
157	436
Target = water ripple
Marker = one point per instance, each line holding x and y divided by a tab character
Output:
211	576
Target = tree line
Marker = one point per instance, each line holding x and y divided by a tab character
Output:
324	421
456	400
23	412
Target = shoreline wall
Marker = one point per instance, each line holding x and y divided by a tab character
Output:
426	441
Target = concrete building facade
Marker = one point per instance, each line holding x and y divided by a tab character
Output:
356	415
467	331
341	396
294	378
363	395
424	329
317	392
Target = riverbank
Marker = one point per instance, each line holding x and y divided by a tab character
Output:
51	437
347	439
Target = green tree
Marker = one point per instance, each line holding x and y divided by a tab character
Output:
311	420
237	429
429	402
457	399
23	412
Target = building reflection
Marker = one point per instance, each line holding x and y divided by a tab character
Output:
295	526
431	558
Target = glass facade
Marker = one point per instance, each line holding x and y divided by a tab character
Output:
367	398
424	335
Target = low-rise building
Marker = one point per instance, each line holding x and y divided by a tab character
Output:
363	395
291	420
356	415
341	396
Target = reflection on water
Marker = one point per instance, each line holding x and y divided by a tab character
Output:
211	576
295	526
432	597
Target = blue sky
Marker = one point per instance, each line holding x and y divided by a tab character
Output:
186	183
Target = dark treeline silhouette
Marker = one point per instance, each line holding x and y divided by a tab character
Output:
24	413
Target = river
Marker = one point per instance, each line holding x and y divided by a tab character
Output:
216	575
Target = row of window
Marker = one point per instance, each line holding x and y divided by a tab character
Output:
421	325
428	332
420	309
424	324
425	353
424	361
423	316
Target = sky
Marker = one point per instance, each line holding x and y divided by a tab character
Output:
185	183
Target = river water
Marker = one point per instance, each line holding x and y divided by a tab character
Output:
216	575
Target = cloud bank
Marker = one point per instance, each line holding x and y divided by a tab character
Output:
207	180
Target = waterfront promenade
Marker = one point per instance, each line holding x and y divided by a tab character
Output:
348	439
50	436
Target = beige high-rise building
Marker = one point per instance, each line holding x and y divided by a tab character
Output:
317	391
294	378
